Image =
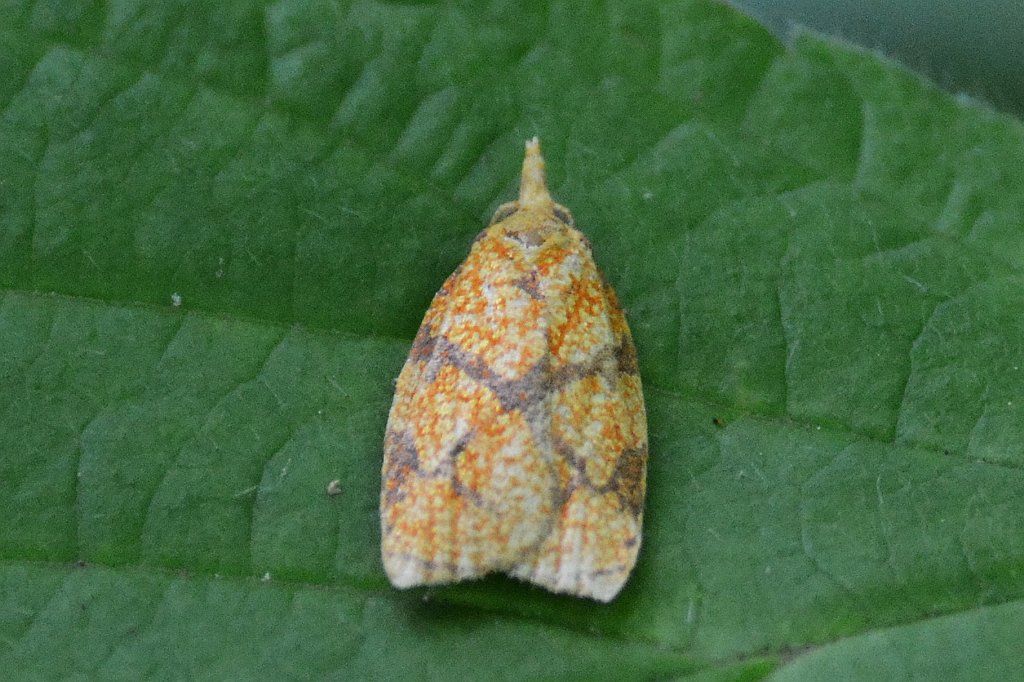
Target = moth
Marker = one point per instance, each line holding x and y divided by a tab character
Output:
517	438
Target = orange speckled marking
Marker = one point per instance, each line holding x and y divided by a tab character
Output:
517	440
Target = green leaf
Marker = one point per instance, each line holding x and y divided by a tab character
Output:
221	224
980	644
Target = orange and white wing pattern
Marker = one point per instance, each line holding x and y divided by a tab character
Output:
517	439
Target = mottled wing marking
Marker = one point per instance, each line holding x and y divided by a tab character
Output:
467	502
517	440
599	436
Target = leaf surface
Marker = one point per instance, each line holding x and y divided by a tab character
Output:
220	226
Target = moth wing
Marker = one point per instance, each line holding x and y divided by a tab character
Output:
598	437
468	487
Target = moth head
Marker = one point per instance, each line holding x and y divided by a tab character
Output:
556	212
534	197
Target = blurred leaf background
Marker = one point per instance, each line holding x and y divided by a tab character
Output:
966	47
221	223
